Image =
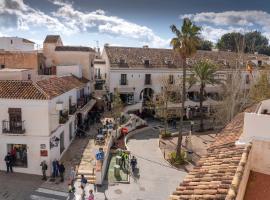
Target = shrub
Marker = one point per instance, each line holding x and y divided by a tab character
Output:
165	134
178	160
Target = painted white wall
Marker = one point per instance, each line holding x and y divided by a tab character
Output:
136	78
15	74
15	44
64	70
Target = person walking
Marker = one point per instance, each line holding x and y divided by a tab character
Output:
8	159
91	195
72	176
54	165
61	171
44	168
83	184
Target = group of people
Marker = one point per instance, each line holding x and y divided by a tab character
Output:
58	169
83	185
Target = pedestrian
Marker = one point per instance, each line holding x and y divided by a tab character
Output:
91	195
8	159
72	176
54	165
57	167
61	169
44	168
83	182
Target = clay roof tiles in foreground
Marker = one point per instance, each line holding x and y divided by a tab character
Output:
218	173
40	90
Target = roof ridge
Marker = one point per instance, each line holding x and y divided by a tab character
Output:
41	90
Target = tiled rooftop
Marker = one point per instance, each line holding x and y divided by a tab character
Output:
134	57
74	48
217	174
41	90
20	90
51	38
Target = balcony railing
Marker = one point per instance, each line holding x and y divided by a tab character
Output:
13	127
123	82
72	109
148	82
63	118
83	100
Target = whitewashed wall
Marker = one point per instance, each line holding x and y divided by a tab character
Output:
17	44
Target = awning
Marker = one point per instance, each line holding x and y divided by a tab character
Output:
84	110
126	90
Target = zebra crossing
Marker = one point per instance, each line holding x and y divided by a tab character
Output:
47	194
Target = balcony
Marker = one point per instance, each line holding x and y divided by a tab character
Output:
72	109
123	82
13	127
63	117
82	101
147	82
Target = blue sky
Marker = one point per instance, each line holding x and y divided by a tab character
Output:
128	22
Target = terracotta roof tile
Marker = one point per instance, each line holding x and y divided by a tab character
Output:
74	48
51	38
218	173
56	86
20	90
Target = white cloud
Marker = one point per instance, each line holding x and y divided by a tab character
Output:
106	24
218	23
68	20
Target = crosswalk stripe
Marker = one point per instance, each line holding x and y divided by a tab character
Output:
47	191
36	197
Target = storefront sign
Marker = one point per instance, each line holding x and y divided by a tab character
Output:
42	146
44	153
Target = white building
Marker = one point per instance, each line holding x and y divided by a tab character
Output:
138	72
39	119
16	44
18	74
57	54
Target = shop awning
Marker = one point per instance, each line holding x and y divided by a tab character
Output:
84	110
126	90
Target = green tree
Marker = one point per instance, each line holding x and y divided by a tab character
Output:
254	41
205	45
229	41
261	89
203	73
117	105
264	50
185	42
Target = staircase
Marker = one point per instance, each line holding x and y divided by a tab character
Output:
88	174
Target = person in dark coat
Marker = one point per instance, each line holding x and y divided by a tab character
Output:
61	171
44	168
9	162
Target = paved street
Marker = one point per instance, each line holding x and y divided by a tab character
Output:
155	179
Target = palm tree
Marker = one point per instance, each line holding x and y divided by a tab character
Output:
203	73
185	43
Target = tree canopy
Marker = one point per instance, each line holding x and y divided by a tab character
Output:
205	45
250	42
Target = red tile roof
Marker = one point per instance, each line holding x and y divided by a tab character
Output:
41	90
51	38
21	90
217	174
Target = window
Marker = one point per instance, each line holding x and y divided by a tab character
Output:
122	61
123	80
171	79
29	76
168	62
147	80
147	63
2	66
19	154
62	143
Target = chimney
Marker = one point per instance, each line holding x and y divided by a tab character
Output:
145	46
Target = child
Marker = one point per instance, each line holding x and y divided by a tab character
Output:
91	196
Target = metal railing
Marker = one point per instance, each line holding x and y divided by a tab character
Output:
148	82
82	101
123	82
63	118
72	109
13	127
